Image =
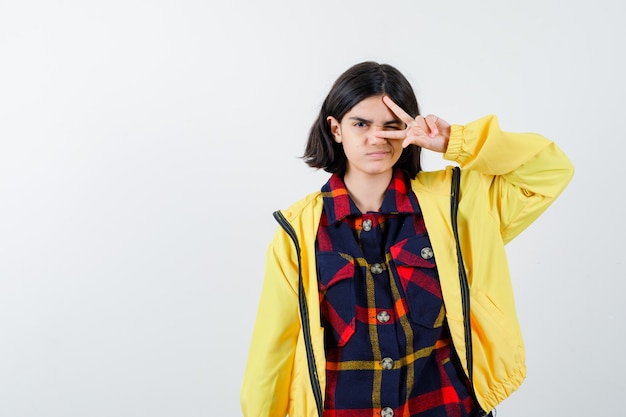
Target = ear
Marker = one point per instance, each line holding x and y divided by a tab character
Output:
335	128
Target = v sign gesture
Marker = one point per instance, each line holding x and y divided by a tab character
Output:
428	132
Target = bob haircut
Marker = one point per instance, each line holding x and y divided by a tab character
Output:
359	82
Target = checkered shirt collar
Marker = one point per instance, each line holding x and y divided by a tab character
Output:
398	198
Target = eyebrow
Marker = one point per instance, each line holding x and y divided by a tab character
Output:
390	122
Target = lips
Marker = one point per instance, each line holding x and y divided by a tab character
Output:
378	153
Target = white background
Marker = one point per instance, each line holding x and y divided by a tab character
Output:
144	145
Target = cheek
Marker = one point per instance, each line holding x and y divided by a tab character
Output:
397	148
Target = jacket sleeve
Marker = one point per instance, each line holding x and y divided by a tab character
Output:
265	389
523	173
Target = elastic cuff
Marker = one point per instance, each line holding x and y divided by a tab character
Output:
454	143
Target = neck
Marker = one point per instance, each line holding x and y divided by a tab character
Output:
367	191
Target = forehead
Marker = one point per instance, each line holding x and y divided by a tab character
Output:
372	108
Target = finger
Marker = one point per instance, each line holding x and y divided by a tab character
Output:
414	141
431	122
420	124
390	134
397	110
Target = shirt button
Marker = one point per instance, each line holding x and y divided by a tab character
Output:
367	225
427	253
387	363
376	269
383	316
386	412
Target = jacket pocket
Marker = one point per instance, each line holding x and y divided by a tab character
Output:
416	269
337	298
498	350
489	318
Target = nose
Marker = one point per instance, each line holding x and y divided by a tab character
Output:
372	138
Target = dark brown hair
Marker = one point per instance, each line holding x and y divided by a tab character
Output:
359	82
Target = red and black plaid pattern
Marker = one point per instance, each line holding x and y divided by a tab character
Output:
387	343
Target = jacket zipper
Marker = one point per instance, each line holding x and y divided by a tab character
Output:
304	316
464	284
465	299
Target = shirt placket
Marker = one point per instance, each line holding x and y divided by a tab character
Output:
385	351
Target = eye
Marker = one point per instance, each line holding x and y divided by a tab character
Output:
393	127
360	124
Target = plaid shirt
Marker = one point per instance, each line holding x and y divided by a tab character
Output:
387	343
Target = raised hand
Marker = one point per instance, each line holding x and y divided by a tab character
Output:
428	132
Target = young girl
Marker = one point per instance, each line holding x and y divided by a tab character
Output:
362	312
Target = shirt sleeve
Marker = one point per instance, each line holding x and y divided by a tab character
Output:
523	173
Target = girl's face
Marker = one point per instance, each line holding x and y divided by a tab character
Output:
367	155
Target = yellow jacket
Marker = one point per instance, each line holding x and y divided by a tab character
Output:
507	181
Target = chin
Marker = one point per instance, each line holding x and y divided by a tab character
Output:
381	171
